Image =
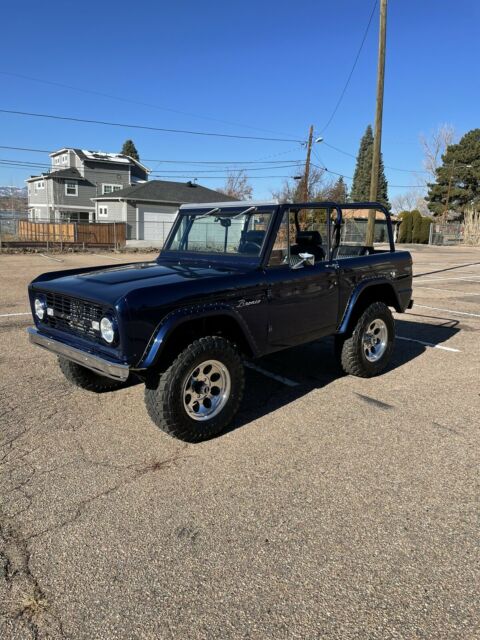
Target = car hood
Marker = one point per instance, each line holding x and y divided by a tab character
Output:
109	284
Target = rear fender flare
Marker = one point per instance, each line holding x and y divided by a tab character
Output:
359	290
178	317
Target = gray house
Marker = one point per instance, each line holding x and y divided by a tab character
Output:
149	209
77	176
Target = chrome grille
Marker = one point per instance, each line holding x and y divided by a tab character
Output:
73	315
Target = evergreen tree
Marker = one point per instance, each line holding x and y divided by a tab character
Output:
425	230
363	172
416	226
406	226
461	170
129	149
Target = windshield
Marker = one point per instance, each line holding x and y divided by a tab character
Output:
220	232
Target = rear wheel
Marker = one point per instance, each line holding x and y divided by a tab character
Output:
199	394
87	379
368	349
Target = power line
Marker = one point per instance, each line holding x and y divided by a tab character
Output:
352	69
351	155
342	175
130	101
266	166
23	164
144	127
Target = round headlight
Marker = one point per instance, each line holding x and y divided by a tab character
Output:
40	308
107	329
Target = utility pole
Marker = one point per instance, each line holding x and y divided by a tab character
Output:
304	192
377	141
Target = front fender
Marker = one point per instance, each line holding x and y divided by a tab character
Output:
389	295
178	317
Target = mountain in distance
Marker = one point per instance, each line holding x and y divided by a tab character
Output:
16	192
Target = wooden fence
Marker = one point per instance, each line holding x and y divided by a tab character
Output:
84	233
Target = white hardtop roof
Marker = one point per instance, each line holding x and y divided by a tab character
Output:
230	203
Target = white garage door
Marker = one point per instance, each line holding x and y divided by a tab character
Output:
156	226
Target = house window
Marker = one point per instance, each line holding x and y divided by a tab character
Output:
40	184
102	212
56	160
64	158
110	188
71	189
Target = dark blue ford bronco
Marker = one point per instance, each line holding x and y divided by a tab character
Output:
234	281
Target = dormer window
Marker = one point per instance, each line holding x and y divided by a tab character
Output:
71	188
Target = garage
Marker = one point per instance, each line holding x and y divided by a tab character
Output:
156	225
149	208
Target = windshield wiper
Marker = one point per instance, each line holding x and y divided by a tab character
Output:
208	213
242	213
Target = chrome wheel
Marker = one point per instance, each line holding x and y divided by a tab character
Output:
206	390
375	340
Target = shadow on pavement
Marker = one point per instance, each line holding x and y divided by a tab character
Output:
461	266
313	366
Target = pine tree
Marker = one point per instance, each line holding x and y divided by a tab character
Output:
460	170
129	149
363	171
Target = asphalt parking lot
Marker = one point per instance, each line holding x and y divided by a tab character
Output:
336	507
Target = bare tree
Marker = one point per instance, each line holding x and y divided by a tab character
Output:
291	190
410	200
434	147
237	186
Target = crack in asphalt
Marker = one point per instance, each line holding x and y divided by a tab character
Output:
26	602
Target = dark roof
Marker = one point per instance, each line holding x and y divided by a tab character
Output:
99	156
68	174
166	191
71	173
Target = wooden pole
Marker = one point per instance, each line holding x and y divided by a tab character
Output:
377	141
304	194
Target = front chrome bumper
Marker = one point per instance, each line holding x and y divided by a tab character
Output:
99	365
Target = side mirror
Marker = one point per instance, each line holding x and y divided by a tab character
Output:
307	259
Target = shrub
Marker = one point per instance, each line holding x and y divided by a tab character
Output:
406	226
425	230
416	226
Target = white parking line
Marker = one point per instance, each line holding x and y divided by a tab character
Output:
462	293
429	344
269	374
7	315
101	255
458	313
50	257
429	279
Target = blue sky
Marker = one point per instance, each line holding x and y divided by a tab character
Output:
248	68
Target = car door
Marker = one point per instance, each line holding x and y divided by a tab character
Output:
302	302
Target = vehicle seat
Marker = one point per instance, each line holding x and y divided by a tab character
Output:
308	242
251	241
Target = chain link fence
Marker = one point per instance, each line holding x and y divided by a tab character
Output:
447	233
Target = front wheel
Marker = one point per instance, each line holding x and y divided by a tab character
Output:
368	349
199	394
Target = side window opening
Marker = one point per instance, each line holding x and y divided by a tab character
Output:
349	240
302	231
